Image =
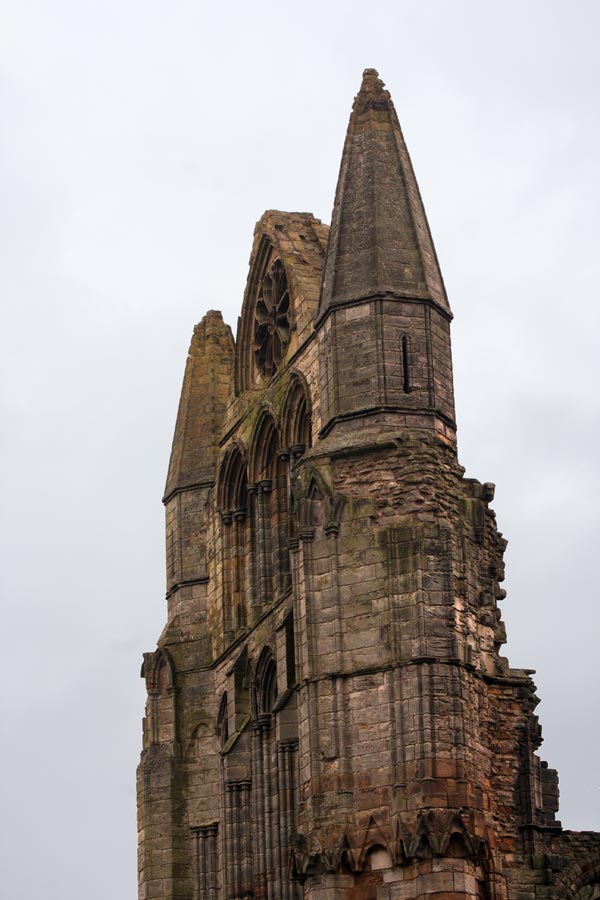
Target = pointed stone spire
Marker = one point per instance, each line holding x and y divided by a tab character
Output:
205	392
379	239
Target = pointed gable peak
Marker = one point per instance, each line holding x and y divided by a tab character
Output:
207	384
371	83
371	96
211	325
379	240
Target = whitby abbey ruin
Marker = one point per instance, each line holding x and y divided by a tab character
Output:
329	715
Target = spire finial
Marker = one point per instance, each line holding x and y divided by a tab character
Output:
370	75
372	93
379	238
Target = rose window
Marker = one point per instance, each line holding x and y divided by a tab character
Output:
272	320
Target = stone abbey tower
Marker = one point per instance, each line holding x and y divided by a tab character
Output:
329	716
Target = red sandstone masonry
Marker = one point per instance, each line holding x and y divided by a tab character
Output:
328	713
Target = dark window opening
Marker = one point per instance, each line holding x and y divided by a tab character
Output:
223	721
405	366
290	651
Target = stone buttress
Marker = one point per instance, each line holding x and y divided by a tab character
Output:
329	715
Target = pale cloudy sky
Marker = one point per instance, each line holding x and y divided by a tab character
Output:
141	140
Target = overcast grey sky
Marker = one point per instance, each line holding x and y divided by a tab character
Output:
141	140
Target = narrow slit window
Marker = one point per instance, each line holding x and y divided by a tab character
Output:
223	721
405	365
290	651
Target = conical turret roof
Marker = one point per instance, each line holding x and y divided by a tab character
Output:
379	239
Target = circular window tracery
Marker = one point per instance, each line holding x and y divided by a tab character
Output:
272	320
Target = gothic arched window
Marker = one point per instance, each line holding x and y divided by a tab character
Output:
160	721
297	436
272	562
297	419
233	490
266	683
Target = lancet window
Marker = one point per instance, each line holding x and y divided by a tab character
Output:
271	513
159	724
297	420
297	430
235	540
257	507
266	684
274	787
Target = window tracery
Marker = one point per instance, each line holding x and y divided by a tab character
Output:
272	327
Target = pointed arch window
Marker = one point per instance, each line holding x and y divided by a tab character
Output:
266	683
297	419
272	562
297	431
265	781
160	720
275	782
233	487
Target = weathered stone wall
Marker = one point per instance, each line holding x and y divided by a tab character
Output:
329	715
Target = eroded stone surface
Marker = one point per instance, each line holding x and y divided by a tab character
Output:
329	715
